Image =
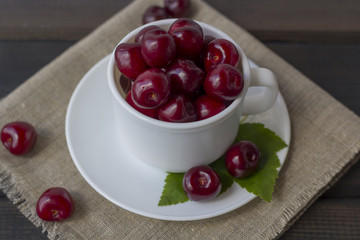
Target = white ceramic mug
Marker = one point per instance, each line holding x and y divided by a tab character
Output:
176	147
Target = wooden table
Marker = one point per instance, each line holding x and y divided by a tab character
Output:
320	38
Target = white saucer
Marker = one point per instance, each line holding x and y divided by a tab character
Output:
126	181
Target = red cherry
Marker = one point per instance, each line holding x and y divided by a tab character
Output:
201	183
184	22
177	8
18	137
148	112
207	107
189	42
140	34
221	51
185	77
242	159
224	82
154	13
178	109
158	48
129	59
55	204
150	89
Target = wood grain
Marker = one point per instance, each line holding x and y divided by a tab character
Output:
292	20
332	66
28	57
285	20
328	219
320	38
14	225
348	186
322	221
54	20
334	216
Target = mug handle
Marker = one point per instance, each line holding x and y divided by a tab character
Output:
266	97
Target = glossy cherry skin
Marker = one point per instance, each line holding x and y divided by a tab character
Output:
178	109
55	204
207	107
139	36
177	8
148	112
185	77
189	42
224	82
151	89
221	51
158	48
201	183
154	13
242	159
184	22
18	137
129	59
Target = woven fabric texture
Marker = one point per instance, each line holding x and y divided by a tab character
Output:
325	143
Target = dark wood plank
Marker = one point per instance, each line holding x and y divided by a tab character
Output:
55	20
292	20
14	225
336	214
328	219
312	59
346	187
333	67
339	78
322	20
29	57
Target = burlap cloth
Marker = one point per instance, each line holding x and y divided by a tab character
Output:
325	142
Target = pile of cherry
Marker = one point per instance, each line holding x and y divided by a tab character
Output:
180	75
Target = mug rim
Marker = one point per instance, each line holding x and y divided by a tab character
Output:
208	122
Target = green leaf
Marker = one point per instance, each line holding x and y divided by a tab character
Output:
173	192
262	182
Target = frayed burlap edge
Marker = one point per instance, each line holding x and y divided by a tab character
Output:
301	204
